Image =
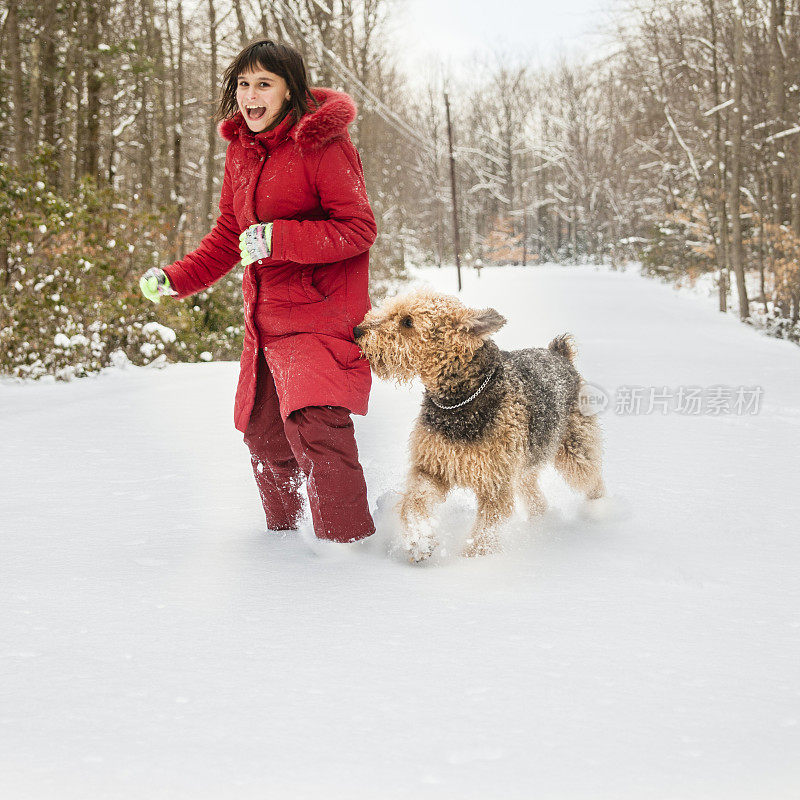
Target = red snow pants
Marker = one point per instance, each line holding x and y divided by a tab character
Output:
318	443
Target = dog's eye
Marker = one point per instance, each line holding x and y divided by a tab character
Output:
406	322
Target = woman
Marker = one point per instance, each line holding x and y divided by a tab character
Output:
294	210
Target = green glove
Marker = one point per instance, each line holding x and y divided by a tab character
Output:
256	242
155	283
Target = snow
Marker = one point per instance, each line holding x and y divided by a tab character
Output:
156	642
166	334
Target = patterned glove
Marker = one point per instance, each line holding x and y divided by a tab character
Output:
155	283
256	242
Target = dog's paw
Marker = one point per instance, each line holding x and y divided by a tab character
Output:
419	540
417	553
536	509
481	546
419	548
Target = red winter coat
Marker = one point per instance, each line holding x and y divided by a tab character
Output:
300	304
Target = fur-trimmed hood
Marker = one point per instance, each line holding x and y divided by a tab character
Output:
314	130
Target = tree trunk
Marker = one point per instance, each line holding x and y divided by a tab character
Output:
761	276
240	23
177	168
163	188
67	113
574	232
211	127
35	92
18	93
776	106
49	68
524	234
95	10
722	246
78	145
111	169
737	255
795	177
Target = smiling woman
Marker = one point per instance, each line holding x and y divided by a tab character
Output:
263	99
270	75
294	214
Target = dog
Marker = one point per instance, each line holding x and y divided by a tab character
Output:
490	419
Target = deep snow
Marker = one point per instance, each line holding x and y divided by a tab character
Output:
156	642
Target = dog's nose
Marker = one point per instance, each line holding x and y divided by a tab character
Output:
357	332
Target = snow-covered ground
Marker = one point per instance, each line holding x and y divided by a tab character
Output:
155	642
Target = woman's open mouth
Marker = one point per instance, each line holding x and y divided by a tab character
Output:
256	112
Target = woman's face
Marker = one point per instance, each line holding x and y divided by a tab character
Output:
261	90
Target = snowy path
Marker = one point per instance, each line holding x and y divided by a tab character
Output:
156	643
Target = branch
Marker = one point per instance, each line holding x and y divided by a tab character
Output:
789	132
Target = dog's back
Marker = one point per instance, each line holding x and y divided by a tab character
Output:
545	381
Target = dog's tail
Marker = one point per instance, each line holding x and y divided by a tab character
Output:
565	346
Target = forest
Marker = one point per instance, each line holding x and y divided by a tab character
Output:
676	146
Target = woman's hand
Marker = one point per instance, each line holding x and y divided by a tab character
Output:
256	242
155	283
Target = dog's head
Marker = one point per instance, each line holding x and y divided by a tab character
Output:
422	334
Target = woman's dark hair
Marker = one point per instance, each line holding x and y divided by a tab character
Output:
283	60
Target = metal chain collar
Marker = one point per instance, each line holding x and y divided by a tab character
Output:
469	399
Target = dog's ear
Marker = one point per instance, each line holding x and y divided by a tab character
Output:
483	322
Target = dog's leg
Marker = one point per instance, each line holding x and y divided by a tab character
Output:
494	507
579	458
528	487
423	492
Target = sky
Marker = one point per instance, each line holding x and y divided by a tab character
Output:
457	31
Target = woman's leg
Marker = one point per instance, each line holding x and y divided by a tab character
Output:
275	468
324	444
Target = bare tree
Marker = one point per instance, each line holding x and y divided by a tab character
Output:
15	68
737	255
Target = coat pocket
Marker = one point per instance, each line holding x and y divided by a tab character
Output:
307	281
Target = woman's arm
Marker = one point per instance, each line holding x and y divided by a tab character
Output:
217	254
350	228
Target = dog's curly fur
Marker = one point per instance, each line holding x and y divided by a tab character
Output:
526	415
